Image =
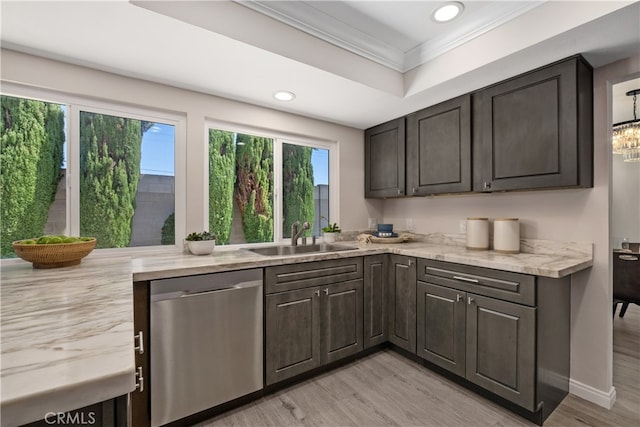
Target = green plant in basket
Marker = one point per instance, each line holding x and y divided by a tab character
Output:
52	251
54	240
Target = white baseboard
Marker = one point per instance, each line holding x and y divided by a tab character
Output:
593	395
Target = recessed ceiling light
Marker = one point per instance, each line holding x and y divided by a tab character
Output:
284	95
447	11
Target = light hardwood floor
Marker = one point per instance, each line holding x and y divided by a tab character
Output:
386	389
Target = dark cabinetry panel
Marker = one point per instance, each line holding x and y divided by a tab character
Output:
439	148
318	273
341	309
375	300
309	327
506	332
384	150
535	130
441	327
292	333
501	348
140	403
402	302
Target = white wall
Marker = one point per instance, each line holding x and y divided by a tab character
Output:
196	107
566	215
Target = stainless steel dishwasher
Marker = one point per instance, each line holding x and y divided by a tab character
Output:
206	342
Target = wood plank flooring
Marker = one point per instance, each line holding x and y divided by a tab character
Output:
386	389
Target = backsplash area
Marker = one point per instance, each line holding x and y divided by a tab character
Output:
532	246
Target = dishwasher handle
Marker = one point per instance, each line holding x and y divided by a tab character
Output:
188	293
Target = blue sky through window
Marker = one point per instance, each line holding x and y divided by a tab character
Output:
158	150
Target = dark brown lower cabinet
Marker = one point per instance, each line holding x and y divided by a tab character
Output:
505	332
441	327
140	398
292	333
402	301
341	328
375	300
501	348
306	328
488	341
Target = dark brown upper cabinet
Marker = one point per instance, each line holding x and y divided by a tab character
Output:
535	130
439	148
384	169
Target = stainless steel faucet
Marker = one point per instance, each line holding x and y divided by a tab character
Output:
295	233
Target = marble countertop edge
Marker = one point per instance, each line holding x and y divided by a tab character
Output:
35	406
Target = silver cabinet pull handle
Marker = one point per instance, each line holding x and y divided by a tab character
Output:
139	380
628	257
469	300
317	293
466	279
458	297
326	291
140	346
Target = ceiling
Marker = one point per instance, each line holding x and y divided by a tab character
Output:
357	63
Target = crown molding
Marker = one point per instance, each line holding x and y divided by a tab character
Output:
299	14
304	17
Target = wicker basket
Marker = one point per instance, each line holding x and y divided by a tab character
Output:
54	255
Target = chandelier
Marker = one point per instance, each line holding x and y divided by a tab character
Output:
626	135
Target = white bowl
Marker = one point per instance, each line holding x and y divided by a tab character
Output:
201	247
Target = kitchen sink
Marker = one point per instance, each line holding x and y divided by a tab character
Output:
300	249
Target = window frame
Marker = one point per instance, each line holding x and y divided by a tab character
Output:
278	138
74	105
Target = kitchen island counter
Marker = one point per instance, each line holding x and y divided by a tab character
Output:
67	337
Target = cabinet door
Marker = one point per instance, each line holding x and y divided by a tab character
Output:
402	302
140	406
384	165
439	148
501	348
441	326
535	130
292	333
341	306
375	300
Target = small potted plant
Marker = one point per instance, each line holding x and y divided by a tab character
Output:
329	232
201	243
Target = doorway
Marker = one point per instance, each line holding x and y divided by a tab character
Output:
625	225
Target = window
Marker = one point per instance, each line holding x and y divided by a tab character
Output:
127	181
305	187
79	170
32	179
259	186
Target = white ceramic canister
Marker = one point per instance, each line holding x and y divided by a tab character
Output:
478	233
506	235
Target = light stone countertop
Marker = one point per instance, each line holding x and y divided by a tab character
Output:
67	337
67	334
537	257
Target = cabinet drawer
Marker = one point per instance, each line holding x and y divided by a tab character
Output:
317	273
504	285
